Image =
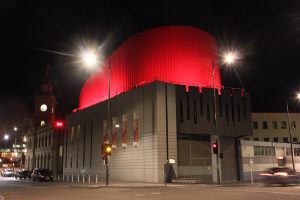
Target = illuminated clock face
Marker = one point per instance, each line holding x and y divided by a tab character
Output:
43	107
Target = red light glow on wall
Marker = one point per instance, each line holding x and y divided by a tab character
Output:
174	54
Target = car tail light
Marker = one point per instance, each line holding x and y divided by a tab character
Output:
281	173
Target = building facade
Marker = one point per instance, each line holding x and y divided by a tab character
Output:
159	122
273	127
45	140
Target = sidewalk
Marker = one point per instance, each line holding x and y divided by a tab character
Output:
143	184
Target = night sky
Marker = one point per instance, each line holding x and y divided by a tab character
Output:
267	33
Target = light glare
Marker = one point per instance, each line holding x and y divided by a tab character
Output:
6	137
230	58
89	58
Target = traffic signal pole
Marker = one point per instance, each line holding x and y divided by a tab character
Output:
106	171
106	152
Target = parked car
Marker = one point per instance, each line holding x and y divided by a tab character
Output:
23	173
7	172
39	174
280	175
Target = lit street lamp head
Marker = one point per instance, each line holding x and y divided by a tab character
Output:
230	58
298	96
89	58
6	137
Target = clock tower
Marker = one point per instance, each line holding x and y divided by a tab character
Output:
45	104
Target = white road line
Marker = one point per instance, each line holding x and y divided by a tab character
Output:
154	193
139	195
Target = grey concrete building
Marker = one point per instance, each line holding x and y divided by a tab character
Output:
158	122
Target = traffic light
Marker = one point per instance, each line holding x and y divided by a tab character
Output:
215	148
106	151
59	124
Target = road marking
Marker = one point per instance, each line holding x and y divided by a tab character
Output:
2	197
139	195
154	193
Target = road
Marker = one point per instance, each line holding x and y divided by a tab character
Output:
11	189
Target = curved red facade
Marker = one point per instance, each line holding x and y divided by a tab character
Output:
174	54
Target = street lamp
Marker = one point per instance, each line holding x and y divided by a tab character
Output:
91	58
229	58
15	129
289	126
6	137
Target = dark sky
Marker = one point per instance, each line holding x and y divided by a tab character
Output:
266	32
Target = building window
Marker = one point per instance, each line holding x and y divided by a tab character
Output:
295	140
195	112
188	109
208	112
256	139
285	139
255	125
220	105
232	111
201	104
275	139
274	125
227	113
239	112
244	108
265	124
283	125
264	151
181	111
266	139
296	151
288	151
294	125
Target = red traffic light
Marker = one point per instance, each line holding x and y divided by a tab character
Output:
59	124
215	148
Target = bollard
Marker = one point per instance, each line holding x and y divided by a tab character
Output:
78	178
57	177
63	178
82	178
89	178
96	178
72	178
68	178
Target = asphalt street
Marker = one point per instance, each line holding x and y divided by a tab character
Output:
11	189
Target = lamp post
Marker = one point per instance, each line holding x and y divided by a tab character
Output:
15	129
289	127
90	59
229	58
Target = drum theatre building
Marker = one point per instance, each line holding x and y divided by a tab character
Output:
161	107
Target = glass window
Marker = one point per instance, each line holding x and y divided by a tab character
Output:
266	139
274	125
297	151
293	125
255	125
181	111
265	125
256	139
275	139
283	125
285	139
295	140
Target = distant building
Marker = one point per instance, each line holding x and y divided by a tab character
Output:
273	127
257	156
44	142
